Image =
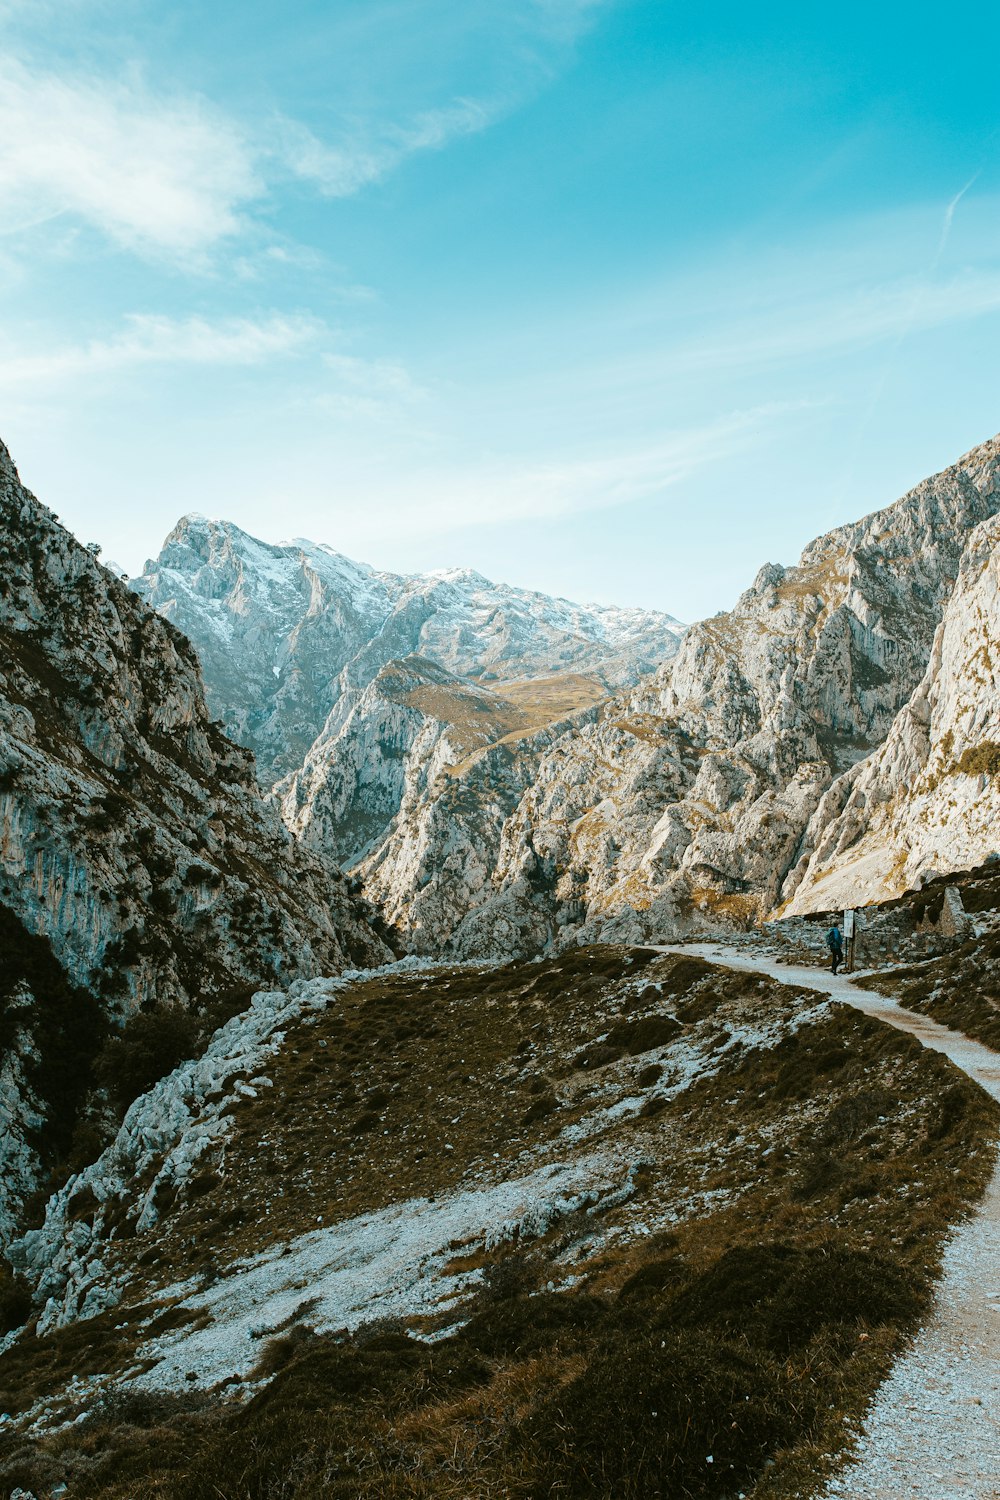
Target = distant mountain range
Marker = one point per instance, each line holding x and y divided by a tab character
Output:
504	771
287	633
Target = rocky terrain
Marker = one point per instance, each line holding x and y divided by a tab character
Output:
288	633
629	1285
285	1214
139	865
686	801
928	800
955	982
829	741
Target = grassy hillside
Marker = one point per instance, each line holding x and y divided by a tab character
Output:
756	1186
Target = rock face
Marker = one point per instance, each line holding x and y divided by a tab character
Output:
132	832
285	632
415	728
928	800
133	835
688	798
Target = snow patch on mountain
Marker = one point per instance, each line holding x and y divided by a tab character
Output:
285	631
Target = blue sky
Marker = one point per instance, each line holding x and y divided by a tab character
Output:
614	298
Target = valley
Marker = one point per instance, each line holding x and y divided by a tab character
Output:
435	1089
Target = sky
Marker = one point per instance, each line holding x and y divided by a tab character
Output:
617	299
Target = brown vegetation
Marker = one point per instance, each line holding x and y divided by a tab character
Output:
742	1308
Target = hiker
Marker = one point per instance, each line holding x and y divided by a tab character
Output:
835	943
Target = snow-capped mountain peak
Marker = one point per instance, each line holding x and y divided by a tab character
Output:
285	629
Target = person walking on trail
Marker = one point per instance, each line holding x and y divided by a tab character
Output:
835	943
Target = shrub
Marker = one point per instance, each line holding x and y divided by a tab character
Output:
685	1414
644	1034
532	1325
15	1299
150	1045
66	1025
782	1297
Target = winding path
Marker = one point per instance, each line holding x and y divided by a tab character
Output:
933	1432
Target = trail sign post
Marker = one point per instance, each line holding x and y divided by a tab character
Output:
849	931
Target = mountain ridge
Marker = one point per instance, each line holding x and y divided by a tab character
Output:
134	840
686	800
313	625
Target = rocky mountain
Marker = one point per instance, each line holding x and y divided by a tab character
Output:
687	799
407	736
928	800
135	846
286	633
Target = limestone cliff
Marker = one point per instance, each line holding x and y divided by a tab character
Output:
132	832
928	799
133	836
688	798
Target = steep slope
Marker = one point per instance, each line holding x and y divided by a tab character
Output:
133	836
283	632
412	728
689	797
471	1232
929	798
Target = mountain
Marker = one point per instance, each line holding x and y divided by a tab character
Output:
139	864
411	732
928	800
686	800
454	743
285	633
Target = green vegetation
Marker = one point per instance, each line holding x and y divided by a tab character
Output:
980	760
65	1026
155	1041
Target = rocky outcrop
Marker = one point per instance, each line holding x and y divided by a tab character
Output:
133	836
928	800
285	632
132	832
687	799
388	753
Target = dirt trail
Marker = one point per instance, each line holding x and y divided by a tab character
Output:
934	1430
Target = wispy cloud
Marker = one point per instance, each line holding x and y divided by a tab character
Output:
152	340
370	153
157	174
373	377
494	493
867	316
949	217
170	175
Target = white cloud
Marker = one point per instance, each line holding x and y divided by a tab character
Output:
497	493
343	169
565	20
148	339
866	316
167	175
377	380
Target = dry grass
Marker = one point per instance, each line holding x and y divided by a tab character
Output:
960	989
782	1242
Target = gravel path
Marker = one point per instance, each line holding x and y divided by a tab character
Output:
934	1430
